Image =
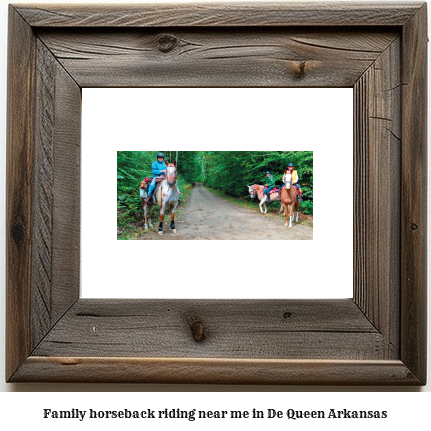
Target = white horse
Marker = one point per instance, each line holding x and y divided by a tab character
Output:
257	190
170	194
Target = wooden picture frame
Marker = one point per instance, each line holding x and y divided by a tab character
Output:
378	337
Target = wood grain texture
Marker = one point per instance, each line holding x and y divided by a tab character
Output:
67	198
235	329
215	371
414	195
220	15
387	123
216	57
19	202
55	268
377	179
43	195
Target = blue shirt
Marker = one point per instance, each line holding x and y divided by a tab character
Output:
157	167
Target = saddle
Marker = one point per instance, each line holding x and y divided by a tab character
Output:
274	191
158	179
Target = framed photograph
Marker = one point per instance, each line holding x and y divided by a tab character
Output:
375	337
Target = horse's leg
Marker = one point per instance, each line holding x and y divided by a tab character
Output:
162	217
173	217
295	206
260	206
281	202
290	213
297	211
285	212
144	206
150	213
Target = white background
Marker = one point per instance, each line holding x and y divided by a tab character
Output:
242	119
408	410
412	414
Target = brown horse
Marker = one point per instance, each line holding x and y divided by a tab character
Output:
289	198
257	190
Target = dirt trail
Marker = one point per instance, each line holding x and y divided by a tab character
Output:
209	216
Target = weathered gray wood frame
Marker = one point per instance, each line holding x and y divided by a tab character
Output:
378	337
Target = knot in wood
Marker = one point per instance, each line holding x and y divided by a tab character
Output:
287	314
197	328
414	226
167	42
300	69
18	233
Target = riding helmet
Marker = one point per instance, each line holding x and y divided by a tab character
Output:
290	165
160	155
268	172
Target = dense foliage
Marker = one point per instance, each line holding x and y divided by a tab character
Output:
232	171
228	171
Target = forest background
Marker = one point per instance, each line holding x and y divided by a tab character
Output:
228	172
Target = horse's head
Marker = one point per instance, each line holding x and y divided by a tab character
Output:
171	175
252	191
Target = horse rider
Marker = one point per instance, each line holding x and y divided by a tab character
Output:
295	179
286	176
269	185
159	168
